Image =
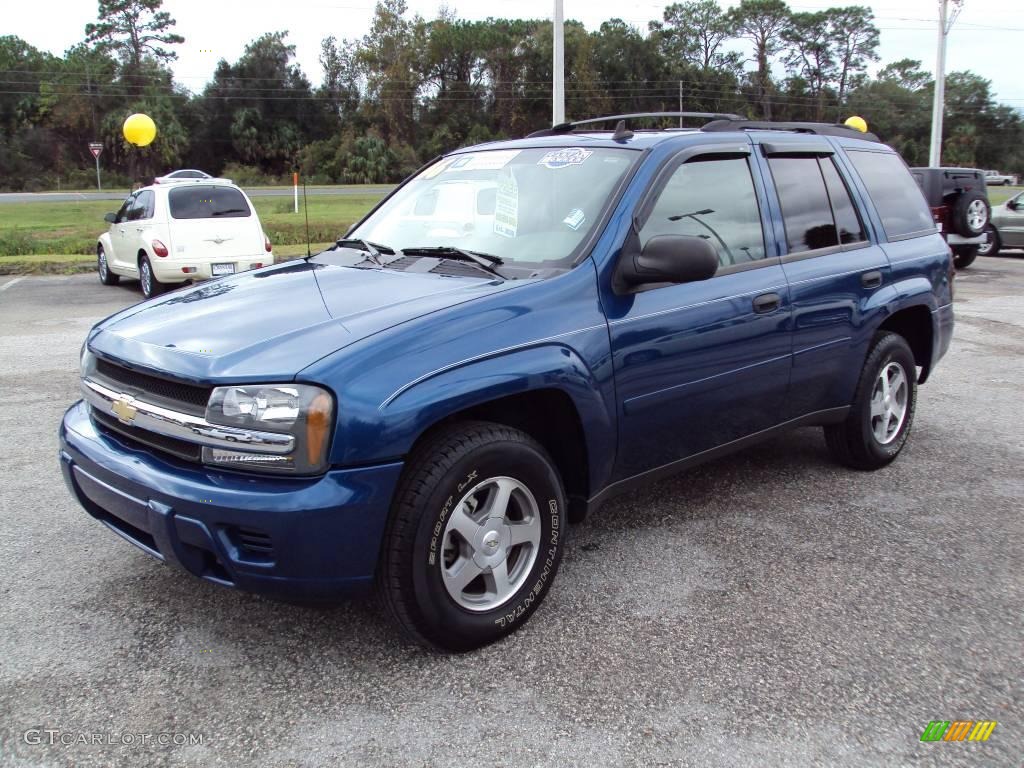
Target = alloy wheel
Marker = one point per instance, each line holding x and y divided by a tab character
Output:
889	402
491	542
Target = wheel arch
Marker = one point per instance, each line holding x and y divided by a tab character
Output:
914	323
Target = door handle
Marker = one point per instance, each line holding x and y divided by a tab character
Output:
140	229
767	302
872	279
121	230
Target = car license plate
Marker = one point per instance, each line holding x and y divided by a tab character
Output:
222	269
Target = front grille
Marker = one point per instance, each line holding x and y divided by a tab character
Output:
145	439
137	383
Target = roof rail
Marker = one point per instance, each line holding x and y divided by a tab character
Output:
818	129
619	129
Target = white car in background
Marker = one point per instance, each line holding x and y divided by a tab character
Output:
184	173
191	229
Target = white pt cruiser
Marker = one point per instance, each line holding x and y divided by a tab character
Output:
190	230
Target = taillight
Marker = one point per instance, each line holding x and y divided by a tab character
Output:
159	248
266	244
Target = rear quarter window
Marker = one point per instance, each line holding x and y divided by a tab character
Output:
896	196
203	202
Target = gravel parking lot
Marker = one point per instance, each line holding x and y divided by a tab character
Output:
769	609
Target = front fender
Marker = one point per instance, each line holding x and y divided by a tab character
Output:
415	408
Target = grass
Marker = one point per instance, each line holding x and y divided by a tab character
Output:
997	195
43	228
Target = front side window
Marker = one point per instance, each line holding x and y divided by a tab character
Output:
126	206
532	205
895	194
713	199
207	202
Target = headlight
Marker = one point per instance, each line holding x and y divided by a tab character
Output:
302	410
86	361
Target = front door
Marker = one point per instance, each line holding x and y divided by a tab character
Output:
701	364
121	236
1010	222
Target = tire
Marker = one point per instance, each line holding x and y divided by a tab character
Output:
103	269
453	479
971	214
148	283
964	255
856	442
991	246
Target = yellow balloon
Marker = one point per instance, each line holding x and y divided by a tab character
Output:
857	123
139	130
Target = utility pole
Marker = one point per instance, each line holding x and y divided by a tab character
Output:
558	68
946	20
680	103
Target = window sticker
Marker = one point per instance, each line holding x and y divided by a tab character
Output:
575	219
436	168
506	206
482	161
562	158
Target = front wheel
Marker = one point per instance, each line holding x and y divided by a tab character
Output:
475	537
103	268
882	411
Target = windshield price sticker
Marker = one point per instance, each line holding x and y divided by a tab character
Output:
482	161
506	207
575	219
562	158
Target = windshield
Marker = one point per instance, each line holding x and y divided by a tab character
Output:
522	205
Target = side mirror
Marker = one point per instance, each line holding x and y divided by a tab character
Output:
110	218
670	259
1012	205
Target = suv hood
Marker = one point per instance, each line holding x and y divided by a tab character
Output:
269	324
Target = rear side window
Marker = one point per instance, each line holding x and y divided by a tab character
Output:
894	192
203	202
816	205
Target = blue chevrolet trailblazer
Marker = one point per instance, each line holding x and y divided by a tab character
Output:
519	331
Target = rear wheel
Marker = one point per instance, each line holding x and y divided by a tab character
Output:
103	269
964	255
475	537
882	411
147	280
992	244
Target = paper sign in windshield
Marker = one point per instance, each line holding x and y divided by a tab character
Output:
482	161
575	219
563	158
506	207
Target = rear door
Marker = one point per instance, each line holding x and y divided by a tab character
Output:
213	223
701	364
836	274
138	223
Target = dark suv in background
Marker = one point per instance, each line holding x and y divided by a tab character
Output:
517	333
958	199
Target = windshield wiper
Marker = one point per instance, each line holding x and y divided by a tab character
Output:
485	261
373	249
226	211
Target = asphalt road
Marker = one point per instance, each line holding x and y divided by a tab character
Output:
120	194
770	609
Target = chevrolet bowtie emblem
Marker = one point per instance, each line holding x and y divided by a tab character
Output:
124	410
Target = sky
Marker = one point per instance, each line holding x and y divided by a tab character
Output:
986	38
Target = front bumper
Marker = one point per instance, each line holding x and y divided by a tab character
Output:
169	270
303	538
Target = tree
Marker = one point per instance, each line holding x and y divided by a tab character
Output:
762	23
808	55
134	29
854	39
341	76
693	32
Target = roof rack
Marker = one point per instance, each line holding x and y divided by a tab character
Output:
620	131
818	129
720	121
